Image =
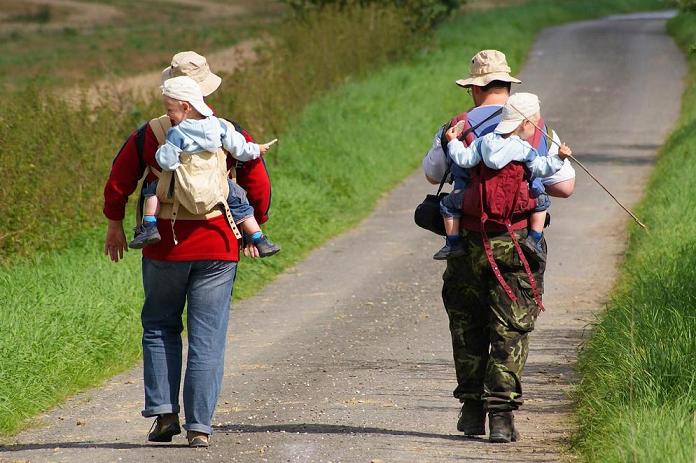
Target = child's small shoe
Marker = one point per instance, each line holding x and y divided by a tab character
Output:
450	250
145	234
265	246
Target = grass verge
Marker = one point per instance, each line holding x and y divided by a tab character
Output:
336	158
637	393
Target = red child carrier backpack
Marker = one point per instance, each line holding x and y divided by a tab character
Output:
499	200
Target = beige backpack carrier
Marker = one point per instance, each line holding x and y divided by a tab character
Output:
197	189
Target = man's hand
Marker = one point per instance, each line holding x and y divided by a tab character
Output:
251	251
115	243
564	152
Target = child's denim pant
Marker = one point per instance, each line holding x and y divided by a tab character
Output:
206	286
236	200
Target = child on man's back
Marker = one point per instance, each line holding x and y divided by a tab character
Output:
507	143
195	129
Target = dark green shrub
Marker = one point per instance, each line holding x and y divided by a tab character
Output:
418	14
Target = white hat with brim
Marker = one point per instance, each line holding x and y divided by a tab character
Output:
487	66
184	88
195	66
518	107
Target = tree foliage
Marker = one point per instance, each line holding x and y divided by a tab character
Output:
418	14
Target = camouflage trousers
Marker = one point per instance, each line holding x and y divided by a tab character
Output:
489	331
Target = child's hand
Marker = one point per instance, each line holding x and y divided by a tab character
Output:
451	133
564	152
455	131
266	146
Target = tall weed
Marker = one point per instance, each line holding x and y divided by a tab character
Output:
637	393
308	56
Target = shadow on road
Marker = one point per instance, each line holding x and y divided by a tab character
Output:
318	428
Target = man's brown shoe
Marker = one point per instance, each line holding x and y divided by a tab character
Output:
197	439
164	428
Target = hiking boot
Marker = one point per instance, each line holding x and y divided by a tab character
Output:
449	251
533	247
472	418
266	247
164	428
197	439
502	427
145	234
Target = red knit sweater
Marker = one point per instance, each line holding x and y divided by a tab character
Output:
198	239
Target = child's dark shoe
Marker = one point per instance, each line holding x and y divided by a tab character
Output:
265	246
450	250
533	247
145	234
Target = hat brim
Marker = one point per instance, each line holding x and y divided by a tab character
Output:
508	126
202	108
482	81
208	85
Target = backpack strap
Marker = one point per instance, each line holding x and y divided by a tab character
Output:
491	260
160	126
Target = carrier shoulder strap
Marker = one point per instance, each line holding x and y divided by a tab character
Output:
462	137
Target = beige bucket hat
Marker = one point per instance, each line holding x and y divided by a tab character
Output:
487	66
518	107
195	66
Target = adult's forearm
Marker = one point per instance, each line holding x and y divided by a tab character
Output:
562	189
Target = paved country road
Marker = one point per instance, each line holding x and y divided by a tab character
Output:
347	356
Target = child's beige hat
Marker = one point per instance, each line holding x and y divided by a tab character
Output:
487	66
195	66
519	107
184	88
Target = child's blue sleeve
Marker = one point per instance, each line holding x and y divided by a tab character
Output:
235	144
167	155
463	156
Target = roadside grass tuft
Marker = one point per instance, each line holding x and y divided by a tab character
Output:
637	393
336	157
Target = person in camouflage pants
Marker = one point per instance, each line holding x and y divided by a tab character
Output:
490	333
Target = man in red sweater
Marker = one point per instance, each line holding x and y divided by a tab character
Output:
199	271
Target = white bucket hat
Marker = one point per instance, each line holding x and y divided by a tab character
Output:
487	66
518	107
184	88
190	63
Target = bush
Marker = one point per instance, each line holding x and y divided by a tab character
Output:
327	47
687	5
418	14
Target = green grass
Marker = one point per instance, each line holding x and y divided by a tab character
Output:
335	159
637	393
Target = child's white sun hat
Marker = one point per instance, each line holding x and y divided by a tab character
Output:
184	88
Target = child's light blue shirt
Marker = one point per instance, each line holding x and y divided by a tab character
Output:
209	134
496	152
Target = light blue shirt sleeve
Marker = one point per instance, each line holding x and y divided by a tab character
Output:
463	156
515	149
543	166
235	144
167	155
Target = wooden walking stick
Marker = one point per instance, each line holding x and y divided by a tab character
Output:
585	169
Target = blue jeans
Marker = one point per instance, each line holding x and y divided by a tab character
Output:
206	287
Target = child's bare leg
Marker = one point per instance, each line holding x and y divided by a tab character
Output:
250	226
151	206
451	225
537	220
